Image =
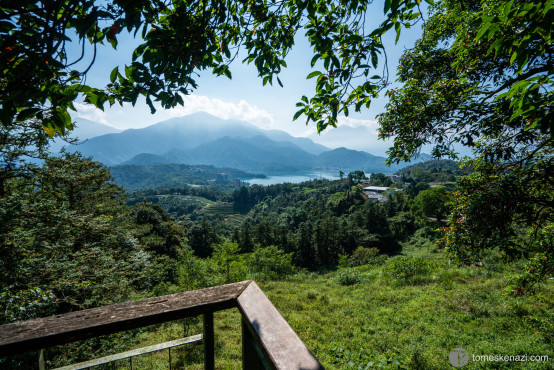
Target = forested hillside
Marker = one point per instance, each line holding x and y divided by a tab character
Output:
140	177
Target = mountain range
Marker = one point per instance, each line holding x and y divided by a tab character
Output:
204	139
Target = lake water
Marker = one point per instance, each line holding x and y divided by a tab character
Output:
294	178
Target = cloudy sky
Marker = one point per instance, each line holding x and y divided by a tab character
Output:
244	97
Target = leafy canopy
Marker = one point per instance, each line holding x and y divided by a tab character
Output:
41	77
482	76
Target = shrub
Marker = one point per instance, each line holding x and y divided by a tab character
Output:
270	263
408	270
366	256
349	277
227	263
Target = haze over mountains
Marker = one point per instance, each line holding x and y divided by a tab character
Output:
201	138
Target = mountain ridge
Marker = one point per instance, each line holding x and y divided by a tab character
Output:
204	139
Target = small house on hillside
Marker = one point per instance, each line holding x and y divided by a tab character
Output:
375	193
394	178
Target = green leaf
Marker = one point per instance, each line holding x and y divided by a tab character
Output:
397	29
482	31
150	104
25	114
298	114
114	73
49	130
387	6
314	74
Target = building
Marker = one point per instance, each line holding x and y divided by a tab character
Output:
375	193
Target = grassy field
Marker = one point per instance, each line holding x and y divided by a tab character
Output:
389	317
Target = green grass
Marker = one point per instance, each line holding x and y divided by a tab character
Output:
411	322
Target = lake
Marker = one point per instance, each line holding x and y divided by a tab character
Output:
294	178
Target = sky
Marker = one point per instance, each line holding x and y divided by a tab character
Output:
243	97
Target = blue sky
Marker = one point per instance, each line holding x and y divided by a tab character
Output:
244	97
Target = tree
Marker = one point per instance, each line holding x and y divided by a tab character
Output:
482	76
431	203
68	242
356	176
41	77
21	146
202	237
379	179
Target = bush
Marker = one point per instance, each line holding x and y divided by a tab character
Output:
408	270
366	256
270	263
349	277
227	263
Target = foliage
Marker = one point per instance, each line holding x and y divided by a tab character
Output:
270	263
228	263
481	76
42	77
356	176
407	270
508	207
441	170
349	277
473	79
366	256
379	179
202	237
431	203
69	235
19	146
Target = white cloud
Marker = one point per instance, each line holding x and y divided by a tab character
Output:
369	125
355	123
91	113
243	111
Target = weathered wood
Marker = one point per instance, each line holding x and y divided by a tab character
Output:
133	353
271	337
281	346
209	341
50	331
252	355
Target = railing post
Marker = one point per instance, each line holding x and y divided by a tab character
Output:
41	359
251	359
208	337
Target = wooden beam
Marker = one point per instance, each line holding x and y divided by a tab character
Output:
272	338
281	346
209	341
35	334
132	353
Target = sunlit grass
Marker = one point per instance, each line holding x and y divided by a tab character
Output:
413	323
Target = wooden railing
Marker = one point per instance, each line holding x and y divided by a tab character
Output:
268	341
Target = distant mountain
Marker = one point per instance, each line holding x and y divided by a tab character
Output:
182	133
302	142
257	153
361	138
83	130
343	158
202	139
147	159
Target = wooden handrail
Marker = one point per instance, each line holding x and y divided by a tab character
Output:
279	345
